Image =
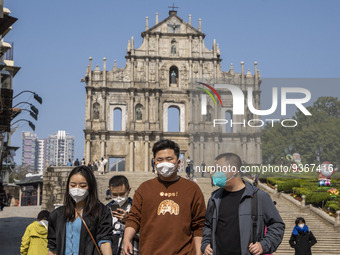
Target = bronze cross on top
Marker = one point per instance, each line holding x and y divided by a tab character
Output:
173	7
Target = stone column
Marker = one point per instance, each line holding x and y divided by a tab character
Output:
20	194
147	120
158	106
88	112
201	150
103	118
146	154
244	148
200	69
242	75
200	46
147	70
102	145
88	148
131	154
38	195
147	45
190	71
216	146
190	46
132	118
157	70
104	72
191	146
157	47
258	150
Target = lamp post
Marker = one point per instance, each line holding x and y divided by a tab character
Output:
33	114
29	123
35	95
33	108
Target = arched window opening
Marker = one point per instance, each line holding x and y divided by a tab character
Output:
117	119
173	119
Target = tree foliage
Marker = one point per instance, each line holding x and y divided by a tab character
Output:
320	129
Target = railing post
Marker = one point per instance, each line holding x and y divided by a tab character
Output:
303	202
337	221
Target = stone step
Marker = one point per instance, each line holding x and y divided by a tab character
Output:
328	239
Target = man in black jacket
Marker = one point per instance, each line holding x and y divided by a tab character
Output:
229	224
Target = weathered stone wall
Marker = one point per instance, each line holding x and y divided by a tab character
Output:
54	186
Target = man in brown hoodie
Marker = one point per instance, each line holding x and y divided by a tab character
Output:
168	211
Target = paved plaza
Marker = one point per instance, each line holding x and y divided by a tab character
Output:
13	222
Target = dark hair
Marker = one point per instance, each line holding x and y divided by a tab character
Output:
119	180
298	219
165	144
91	202
232	159
43	215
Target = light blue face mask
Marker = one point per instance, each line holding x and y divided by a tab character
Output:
220	179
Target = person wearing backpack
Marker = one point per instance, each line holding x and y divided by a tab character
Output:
302	239
237	214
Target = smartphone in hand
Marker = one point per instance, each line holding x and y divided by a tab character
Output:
114	207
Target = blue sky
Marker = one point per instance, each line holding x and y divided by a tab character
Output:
54	39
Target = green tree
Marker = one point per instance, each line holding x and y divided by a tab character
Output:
320	129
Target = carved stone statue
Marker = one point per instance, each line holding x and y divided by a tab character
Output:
173	49
139	114
173	77
96	111
208	116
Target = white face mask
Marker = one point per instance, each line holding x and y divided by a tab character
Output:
120	200
301	225
166	169
78	194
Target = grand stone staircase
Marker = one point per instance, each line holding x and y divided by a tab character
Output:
328	239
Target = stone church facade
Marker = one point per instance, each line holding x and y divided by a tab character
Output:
127	109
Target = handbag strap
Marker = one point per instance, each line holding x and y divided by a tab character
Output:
88	231
254	216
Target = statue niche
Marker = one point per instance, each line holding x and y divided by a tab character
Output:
96	111
173	73
173	47
139	114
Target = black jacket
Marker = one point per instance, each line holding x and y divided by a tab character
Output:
267	216
302	243
101	229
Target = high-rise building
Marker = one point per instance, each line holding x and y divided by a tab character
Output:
29	150
54	150
41	158
59	148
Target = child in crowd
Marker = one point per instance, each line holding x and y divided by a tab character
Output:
120	207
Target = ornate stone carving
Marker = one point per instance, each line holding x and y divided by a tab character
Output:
152	44
140	71
195	45
127	72
152	71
